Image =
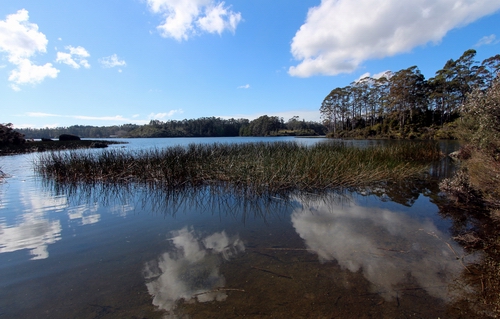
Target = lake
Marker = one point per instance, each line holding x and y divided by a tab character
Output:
137	252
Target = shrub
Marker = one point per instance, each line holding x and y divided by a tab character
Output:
8	136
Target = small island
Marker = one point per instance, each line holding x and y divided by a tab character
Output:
12	142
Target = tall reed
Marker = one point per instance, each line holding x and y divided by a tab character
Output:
270	167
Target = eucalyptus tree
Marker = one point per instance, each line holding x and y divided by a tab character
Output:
407	93
488	71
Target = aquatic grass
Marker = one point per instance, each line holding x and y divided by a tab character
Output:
260	167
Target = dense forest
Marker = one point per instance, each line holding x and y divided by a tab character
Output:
201	127
406	105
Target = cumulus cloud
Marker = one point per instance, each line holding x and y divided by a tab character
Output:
339	35
21	40
385	74
246	86
183	19
29	73
75	58
490	39
112	61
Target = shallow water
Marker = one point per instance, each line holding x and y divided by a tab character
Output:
135	252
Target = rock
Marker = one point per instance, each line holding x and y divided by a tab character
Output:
68	137
46	139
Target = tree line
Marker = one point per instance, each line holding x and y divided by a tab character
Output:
201	127
404	104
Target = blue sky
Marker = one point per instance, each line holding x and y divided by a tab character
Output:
114	62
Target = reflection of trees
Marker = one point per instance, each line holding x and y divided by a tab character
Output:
477	289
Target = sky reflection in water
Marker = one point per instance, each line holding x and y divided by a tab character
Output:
192	245
190	270
390	248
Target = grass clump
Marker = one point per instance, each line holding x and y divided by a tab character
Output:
261	167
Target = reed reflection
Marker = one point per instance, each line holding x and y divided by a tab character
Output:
392	250
121	199
190	269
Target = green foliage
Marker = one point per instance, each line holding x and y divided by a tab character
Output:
405	103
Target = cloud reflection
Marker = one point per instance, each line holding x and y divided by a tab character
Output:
190	271
391	249
84	214
31	234
32	230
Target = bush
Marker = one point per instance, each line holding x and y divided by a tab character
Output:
8	136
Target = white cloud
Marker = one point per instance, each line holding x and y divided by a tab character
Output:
339	35
214	21
21	39
385	74
490	39
159	116
112	61
40	114
116	118
246	86
29	73
183	19
75	58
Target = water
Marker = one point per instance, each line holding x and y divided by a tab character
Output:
132	252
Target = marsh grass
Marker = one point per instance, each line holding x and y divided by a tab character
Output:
259	167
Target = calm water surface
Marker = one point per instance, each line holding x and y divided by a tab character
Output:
132	252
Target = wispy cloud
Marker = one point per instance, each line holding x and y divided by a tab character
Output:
40	114
75	58
246	86
183	19
486	40
160	116
20	40
112	61
331	41
115	118
302	114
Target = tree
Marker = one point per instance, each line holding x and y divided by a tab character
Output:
10	137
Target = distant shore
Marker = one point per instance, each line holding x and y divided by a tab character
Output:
53	145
